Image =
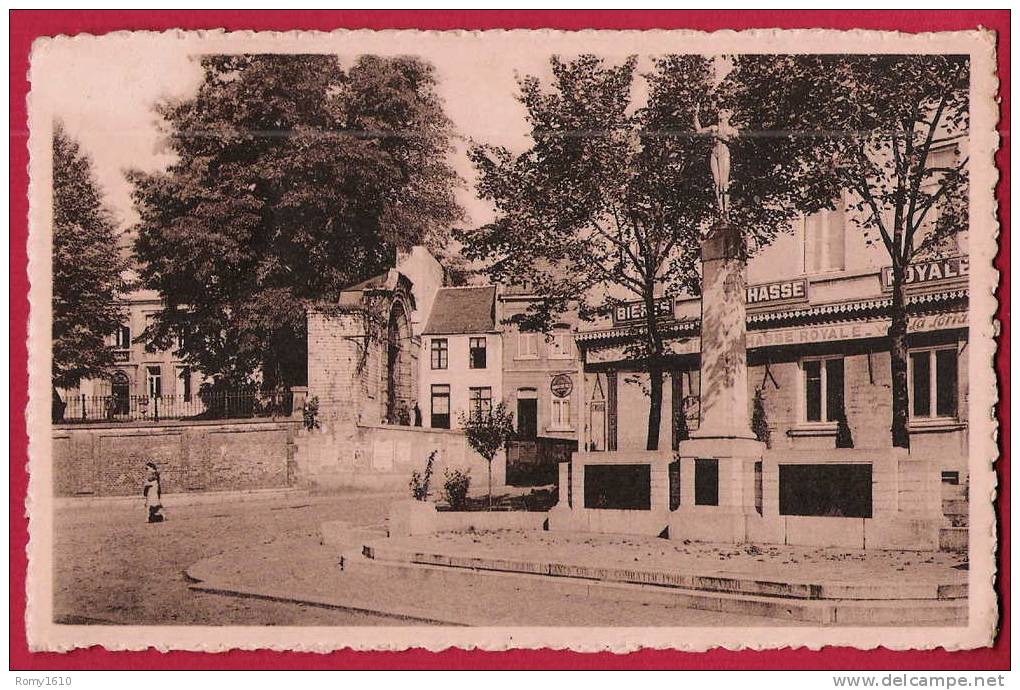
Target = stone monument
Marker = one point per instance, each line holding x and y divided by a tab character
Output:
717	465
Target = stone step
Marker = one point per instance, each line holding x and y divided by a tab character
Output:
716	582
812	611
954	539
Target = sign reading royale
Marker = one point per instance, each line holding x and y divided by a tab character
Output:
780	292
634	312
930	271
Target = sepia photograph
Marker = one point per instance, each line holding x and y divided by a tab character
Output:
590	340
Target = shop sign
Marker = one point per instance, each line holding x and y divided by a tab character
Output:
779	292
930	271
634	312
561	385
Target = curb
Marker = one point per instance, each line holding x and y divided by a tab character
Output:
180	499
201	584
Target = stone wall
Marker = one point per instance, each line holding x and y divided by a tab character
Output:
384	456
109	460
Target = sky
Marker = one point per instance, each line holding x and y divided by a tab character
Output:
105	97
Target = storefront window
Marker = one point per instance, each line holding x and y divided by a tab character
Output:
823	389
934	382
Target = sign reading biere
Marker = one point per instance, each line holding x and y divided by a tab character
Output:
634	312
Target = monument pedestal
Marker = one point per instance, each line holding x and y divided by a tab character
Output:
729	465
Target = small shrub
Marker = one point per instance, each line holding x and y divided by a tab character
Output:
455	488
759	422
489	432
844	438
420	481
310	413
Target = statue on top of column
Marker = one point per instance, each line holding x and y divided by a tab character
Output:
721	133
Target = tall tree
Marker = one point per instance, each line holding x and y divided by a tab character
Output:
608	202
885	132
293	178
86	268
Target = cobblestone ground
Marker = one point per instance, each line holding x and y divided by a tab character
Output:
112	567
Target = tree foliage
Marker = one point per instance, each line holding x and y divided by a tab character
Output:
87	268
609	201
293	178
883	134
489	432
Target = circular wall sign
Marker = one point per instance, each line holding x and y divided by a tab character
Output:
561	385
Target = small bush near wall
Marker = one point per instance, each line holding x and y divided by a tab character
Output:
420	481
455	488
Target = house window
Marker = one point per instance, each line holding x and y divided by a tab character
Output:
561	413
477	353
182	338
123	338
440	406
440	353
560	346
933	382
526	346
184	376
154	381
823	389
480	401
824	240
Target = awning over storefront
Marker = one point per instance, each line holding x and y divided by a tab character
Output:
852	320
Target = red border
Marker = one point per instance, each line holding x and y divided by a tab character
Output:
26	25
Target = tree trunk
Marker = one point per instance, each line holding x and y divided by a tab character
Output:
898	364
655	404
490	483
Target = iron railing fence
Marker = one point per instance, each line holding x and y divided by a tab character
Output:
80	409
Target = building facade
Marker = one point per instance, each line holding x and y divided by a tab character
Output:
539	371
462	356
147	383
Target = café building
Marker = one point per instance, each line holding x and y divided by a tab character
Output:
817	350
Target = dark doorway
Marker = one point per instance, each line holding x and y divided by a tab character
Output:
527	419
120	392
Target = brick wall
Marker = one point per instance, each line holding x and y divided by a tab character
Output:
109	460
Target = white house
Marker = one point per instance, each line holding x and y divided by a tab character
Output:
461	365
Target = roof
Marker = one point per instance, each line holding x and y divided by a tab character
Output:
463	310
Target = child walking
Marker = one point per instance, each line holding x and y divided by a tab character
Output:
153	493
